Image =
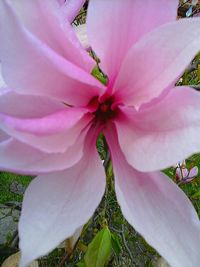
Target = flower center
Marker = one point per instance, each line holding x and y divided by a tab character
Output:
104	110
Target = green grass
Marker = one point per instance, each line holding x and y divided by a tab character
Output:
6	179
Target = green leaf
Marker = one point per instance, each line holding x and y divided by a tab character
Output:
99	250
116	243
97	74
169	172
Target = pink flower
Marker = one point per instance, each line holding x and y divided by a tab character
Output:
53	111
185	175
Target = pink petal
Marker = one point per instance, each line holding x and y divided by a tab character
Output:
2	82
28	106
45	20
159	58
162	134
24	159
55	205
71	8
61	2
31	67
41	122
115	25
193	172
36	115
3	137
53	134
185	175
182	173
157	209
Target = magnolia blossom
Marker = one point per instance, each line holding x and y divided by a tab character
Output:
53	110
185	175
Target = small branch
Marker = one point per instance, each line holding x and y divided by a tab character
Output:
184	3
68	255
112	228
64	259
107	160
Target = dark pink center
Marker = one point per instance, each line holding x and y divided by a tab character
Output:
104	110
